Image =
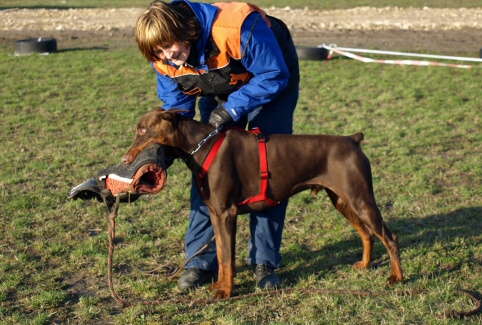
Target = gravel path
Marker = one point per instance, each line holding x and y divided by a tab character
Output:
448	31
361	18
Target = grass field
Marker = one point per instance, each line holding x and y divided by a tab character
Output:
67	115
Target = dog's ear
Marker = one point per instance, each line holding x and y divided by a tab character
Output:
169	115
172	113
161	114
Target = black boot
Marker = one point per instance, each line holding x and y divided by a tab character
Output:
194	277
265	276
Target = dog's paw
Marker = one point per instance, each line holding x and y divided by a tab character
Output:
222	294
214	286
360	265
394	279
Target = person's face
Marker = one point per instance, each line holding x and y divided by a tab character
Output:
176	53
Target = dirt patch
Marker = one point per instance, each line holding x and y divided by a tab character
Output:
446	31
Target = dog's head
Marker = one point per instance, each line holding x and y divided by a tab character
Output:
156	126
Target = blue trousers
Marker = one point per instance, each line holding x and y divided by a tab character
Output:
266	226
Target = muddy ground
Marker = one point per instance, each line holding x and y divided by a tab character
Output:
439	31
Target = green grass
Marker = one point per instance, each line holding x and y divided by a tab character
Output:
67	115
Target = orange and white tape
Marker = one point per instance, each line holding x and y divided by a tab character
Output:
334	49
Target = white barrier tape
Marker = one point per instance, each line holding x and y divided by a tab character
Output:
419	55
399	62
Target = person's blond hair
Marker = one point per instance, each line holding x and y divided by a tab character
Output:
163	24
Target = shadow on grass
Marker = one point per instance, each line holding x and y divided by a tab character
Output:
420	234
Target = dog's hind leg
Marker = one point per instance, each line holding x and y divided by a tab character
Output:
365	236
371	213
391	243
365	217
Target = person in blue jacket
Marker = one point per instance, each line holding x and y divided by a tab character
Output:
243	65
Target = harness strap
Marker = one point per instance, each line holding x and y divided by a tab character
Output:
263	167
264	173
210	157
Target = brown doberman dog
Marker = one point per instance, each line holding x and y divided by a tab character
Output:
296	162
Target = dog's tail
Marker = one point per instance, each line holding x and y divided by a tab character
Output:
357	137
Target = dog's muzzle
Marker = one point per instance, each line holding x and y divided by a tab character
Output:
145	175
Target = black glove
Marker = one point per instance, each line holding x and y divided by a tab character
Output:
219	116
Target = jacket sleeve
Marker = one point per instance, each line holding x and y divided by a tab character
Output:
263	58
171	97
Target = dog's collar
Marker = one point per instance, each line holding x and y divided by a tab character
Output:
203	141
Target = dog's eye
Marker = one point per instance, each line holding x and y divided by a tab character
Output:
141	131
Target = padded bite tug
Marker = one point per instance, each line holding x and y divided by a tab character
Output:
145	175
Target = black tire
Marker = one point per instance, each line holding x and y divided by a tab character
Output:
311	53
35	45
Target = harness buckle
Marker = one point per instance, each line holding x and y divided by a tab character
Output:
260	137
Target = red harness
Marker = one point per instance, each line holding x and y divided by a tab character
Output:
263	167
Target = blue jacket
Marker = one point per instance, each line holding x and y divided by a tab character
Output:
261	57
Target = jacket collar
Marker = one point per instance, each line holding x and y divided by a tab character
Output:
205	14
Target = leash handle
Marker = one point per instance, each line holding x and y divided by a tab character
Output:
112	210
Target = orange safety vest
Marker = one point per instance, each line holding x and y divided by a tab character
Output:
225	72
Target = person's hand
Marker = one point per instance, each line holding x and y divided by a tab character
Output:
219	116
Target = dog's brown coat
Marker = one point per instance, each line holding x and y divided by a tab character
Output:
296	163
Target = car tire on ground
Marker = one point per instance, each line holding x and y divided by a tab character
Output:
35	45
311	53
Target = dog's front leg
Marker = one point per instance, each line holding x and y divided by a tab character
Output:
224	225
